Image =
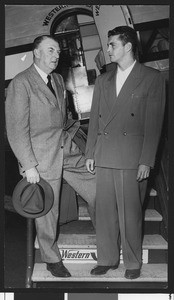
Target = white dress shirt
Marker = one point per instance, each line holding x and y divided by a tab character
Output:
122	76
42	74
44	77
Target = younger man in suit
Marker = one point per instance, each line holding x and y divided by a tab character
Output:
124	130
36	130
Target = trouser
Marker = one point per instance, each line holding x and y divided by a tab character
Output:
75	173
119	199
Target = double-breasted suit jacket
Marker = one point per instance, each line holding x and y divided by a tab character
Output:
124	131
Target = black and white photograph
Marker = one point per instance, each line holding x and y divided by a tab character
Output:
86	111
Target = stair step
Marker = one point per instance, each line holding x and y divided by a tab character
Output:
153	193
154	241
84	215
81	272
86	241
82	248
150	214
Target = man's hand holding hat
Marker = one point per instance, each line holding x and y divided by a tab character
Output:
32	175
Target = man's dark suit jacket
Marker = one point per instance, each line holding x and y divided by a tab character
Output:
124	131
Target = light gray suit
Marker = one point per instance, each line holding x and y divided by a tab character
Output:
35	121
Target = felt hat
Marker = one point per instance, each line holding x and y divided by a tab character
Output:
33	200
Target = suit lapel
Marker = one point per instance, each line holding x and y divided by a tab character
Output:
127	89
41	85
59	90
110	90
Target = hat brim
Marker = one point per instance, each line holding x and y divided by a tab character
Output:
49	198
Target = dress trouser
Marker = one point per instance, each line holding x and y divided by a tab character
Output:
75	173
119	199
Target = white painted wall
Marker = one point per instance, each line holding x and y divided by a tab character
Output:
17	63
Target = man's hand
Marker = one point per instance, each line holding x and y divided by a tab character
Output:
32	175
90	165
143	172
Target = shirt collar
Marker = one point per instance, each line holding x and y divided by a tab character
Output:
128	70
42	73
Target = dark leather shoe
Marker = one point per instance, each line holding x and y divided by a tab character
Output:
58	269
100	270
132	274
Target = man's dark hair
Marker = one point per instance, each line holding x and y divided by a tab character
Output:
40	38
126	34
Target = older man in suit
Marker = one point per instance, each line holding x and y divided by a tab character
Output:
36	129
124	130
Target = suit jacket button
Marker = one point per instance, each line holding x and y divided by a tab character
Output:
132	114
124	133
61	147
100	116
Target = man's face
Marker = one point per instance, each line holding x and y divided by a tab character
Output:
47	55
116	49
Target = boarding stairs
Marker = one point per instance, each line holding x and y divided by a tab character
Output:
77	243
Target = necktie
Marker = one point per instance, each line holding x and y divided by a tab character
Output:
50	85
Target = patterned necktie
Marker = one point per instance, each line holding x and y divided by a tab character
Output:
50	85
